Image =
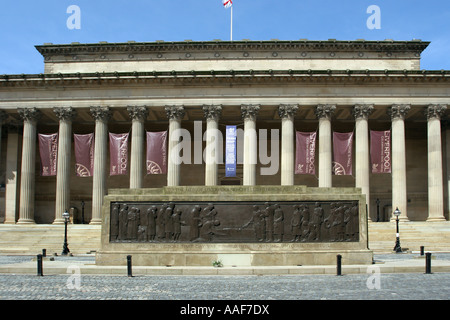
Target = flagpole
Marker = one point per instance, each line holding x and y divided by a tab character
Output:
231	31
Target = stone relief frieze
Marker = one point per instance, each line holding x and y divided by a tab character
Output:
234	222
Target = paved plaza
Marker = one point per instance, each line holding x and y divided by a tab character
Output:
368	286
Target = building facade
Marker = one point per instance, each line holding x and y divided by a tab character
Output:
272	88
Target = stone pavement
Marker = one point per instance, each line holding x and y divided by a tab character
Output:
372	284
385	263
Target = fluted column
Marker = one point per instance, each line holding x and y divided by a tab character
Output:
63	168
175	114
362	163
287	115
138	114
399	194
3	117
30	117
12	175
101	116
249	113
324	113
435	171
212	115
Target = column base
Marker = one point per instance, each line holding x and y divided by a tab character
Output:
400	219
26	221
95	221
436	219
58	221
9	222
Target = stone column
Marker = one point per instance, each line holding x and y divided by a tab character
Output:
435	171
175	114
212	115
3	117
101	116
399	194
63	168
324	113
138	114
30	117
249	113
12	175
287	115
362	163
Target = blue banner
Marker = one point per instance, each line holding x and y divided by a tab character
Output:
230	151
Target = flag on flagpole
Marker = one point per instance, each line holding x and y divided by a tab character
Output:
227	3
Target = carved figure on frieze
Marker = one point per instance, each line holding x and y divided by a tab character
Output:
296	223
208	223
123	220
269	216
161	223
208	213
348	223
152	214
208	230
339	222
143	225
177	223
329	222
316	223
114	231
168	224
355	220
132	223
278	223
195	223
259	224
305	227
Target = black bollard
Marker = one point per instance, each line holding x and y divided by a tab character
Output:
39	265
129	266
422	250
428	263
44	252
339	265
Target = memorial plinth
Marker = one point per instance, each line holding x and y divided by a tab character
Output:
238	225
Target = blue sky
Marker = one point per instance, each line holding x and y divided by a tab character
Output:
26	23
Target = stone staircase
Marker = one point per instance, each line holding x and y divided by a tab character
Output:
434	236
82	239
31	239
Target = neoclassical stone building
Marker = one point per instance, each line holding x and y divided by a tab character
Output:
280	86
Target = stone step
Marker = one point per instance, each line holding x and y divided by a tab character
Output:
31	239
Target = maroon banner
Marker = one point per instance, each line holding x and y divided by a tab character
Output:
48	150
305	152
118	152
84	154
342	153
157	152
380	151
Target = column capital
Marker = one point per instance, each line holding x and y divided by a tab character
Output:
29	114
287	110
325	111
212	111
398	111
137	112
65	113
175	112
101	113
435	111
249	111
3	116
362	111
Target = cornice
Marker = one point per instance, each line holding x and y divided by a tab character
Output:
227	76
163	46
